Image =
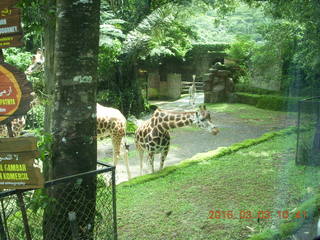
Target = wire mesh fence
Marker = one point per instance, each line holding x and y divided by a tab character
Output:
308	137
78	207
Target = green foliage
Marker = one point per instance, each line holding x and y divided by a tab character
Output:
33	18
44	141
109	97
272	102
131	127
18	57
160	34
35	117
249	89
213	25
241	50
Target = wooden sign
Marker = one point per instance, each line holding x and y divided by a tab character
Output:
10	22
11	41
15	93
8	3
10	25
17	169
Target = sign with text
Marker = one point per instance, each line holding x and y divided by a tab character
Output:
11	41
17	169
10	25
10	22
15	92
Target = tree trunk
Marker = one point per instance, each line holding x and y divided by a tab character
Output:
74	147
49	44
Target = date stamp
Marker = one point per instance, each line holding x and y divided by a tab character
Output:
260	215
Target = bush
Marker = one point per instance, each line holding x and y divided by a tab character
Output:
18	58
249	89
271	102
35	117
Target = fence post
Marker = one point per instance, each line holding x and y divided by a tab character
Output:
2	232
115	233
74	226
20	198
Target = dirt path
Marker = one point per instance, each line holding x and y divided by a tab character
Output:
186	142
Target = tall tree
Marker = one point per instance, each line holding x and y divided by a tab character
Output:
74	147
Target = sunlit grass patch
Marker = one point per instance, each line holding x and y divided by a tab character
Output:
176	206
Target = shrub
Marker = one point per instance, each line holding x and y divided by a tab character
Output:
271	102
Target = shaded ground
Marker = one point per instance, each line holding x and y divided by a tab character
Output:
235	126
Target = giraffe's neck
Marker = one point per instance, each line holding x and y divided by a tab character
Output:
165	121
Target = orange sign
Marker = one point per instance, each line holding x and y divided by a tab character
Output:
10	93
14	92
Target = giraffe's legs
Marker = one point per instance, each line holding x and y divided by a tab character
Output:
151	160
163	157
126	153
116	145
141	160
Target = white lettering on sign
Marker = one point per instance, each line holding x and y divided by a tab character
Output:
3	110
3	21
9	30
9	157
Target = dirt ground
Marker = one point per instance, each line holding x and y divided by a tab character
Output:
186	142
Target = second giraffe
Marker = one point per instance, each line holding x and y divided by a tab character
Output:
153	135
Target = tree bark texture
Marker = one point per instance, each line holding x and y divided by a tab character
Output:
74	147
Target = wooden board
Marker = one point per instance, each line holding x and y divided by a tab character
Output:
7	3
10	22
17	169
16	145
11	41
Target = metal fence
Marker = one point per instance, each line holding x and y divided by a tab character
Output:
34	214
308	135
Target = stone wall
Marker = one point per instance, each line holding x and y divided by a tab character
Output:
164	80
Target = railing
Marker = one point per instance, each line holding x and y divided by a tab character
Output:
67	217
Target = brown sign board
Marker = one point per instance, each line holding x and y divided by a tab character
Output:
15	93
11	41
10	22
17	169
8	3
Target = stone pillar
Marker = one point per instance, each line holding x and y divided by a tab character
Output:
153	85
174	85
218	84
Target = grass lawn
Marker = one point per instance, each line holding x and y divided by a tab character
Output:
259	178
250	113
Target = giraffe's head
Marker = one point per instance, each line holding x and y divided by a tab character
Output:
37	63
204	120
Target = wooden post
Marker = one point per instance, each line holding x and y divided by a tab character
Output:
2	231
20	197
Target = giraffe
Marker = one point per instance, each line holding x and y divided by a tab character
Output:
111	122
36	63
17	124
192	92
153	135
